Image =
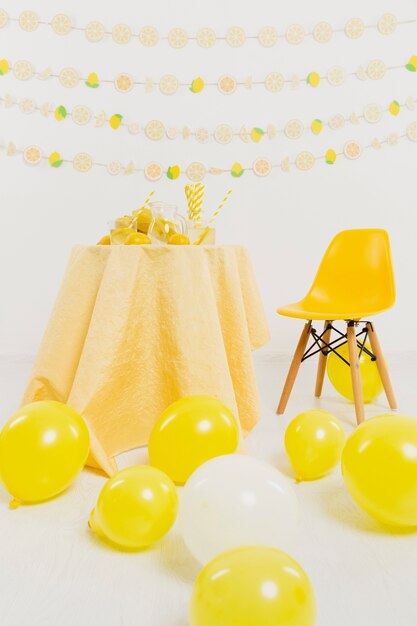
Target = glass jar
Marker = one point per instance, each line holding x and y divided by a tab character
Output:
166	222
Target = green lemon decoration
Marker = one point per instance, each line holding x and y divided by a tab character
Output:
256	134
92	80
313	79
115	121
412	64
316	126
237	170
60	113
4	67
55	159
330	156
173	172
394	107
197	85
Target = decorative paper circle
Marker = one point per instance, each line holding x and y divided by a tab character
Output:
294	129
352	150
121	33
336	76
123	83
410	103
285	165
361	73
177	38
202	135
23	70
196	171
226	85
100	119
268	36
304	160
354	28
27	106
154	130
411	131
153	171
206	38
322	32
133	128
32	155
271	131
168	85
393	139
376	69
94	31
274	82
81	114
28	21
223	134
336	121
61	24
82	162
68	77
172	133
295	33
114	168
148	36
387	24
372	113
261	167
235	36
4	18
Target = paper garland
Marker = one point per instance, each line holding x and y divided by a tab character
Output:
227	84
196	171
205	37
223	134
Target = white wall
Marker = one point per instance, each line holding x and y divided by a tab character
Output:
284	220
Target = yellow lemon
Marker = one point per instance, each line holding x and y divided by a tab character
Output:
237	170
330	156
115	121
179	240
55	159
256	134
173	172
104	241
412	64
143	218
137	239
92	80
197	85
394	107
4	67
60	113
120	235
316	126
313	79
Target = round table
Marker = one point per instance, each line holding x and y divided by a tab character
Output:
134	328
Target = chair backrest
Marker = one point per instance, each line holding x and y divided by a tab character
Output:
356	272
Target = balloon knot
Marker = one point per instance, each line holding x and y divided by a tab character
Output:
14	504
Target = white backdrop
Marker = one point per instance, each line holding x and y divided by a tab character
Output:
285	220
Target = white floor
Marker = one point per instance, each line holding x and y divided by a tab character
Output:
53	571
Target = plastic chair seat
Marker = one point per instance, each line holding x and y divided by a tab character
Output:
309	310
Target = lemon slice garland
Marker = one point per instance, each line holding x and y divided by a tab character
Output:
196	171
168	85
205	37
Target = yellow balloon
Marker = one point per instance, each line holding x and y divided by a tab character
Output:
314	442
42	449
252	586
339	374
190	432
379	467
136	507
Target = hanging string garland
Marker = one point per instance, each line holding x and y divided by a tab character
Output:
205	37
223	134
196	171
227	84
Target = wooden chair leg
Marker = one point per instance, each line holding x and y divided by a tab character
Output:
294	367
355	373
321	367
382	366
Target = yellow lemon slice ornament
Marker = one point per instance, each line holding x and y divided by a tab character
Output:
179	240
237	170
394	107
115	121
313	79
256	134
330	156
412	64
55	159
60	113
173	172
4	67
92	81
197	85
316	126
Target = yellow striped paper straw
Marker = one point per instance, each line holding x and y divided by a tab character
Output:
213	217
198	201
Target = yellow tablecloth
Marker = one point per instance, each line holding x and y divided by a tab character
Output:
134	328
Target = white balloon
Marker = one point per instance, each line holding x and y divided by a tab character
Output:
236	500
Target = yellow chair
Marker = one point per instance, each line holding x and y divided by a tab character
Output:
354	281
